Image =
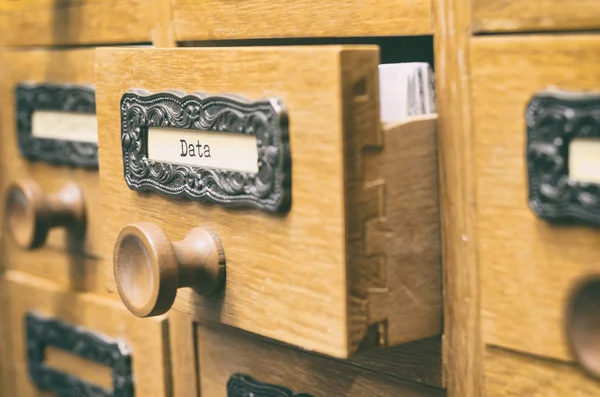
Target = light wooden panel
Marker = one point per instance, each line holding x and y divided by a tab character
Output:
45	22
419	361
224	351
222	19
52	66
463	357
510	374
147	338
67	270
184	357
528	266
348	255
534	15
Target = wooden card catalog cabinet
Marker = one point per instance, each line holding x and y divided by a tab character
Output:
257	187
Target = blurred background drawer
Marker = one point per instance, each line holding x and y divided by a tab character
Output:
79	22
221	19
354	262
513	374
233	363
33	177
534	15
530	266
61	341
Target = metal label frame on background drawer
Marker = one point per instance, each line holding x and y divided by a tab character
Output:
43	331
240	385
554	119
32	97
269	189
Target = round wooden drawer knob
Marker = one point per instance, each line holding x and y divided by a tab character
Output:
149	268
583	325
30	213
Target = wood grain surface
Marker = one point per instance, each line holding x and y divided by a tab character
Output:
52	66
222	19
184	358
462	335
528	266
81	22
220	350
308	261
145	337
510	374
535	15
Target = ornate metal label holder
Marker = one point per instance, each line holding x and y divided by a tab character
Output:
240	385
269	189
554	119
42	332
61	98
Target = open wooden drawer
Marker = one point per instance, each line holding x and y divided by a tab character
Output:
321	232
63	343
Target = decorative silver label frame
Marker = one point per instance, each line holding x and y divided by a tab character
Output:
241	385
30	97
554	118
44	331
269	189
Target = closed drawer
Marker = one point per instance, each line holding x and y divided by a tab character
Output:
512	374
352	259
64	343
48	22
220	19
50	191
535	15
234	363
531	263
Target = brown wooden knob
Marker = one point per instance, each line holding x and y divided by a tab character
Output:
583	324
30	213
149	268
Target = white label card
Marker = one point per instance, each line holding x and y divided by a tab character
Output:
64	126
207	149
584	160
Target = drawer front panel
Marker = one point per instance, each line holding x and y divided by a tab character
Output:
37	167
529	264
53	332
45	23
330	255
512	374
218	19
234	363
535	15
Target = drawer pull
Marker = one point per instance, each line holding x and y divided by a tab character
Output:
30	213
563	146
74	107
240	385
149	268
583	325
42	332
